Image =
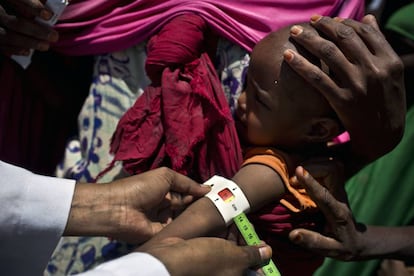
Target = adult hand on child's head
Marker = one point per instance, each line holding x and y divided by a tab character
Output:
19	32
208	256
134	208
365	84
342	239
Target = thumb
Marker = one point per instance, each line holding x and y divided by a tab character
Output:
258	254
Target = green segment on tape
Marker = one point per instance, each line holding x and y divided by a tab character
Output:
251	238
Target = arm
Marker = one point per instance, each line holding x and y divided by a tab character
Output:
348	240
209	256
260	184
365	83
132	209
36	208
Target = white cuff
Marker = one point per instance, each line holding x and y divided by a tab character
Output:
228	198
133	264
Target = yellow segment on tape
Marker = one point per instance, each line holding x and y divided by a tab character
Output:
251	238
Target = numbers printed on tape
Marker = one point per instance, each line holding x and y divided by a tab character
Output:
251	238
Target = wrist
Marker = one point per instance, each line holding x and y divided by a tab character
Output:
93	212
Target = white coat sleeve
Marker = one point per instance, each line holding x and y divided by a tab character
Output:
133	264
34	212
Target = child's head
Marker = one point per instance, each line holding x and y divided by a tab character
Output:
282	109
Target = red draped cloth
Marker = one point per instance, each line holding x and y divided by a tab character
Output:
182	120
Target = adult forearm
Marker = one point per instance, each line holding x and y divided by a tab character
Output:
93	212
387	242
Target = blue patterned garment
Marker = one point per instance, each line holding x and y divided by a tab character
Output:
118	79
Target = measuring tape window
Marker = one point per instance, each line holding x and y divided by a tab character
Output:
231	202
228	198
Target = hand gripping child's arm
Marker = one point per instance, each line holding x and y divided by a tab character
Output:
260	184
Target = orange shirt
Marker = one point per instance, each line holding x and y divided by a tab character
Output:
298	200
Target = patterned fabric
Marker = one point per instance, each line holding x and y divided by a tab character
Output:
118	80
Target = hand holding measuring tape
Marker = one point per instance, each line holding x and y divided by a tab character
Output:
231	202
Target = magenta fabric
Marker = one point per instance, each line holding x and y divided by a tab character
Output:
102	26
182	120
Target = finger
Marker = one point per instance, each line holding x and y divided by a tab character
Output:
183	184
323	49
31	8
370	33
316	242
313	75
28	28
257	255
12	50
180	200
330	206
19	41
349	42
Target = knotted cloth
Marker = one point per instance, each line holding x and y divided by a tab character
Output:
182	120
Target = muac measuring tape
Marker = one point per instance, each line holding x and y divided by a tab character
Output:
232	203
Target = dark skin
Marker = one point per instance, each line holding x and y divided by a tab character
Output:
202	218
366	84
135	208
19	32
387	93
296	124
369	82
209	256
347	240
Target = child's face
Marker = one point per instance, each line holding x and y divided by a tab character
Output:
280	106
272	116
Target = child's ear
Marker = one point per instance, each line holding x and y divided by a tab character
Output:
323	130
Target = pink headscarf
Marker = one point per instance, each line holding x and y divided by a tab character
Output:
102	26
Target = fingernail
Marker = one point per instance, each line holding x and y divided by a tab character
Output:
45	14
315	18
297	238
338	19
296	30
265	252
53	36
288	55
305	173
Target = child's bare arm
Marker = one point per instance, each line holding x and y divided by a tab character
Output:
260	184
